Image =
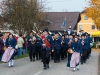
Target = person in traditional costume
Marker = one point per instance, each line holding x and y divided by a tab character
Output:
57	47
29	39
65	49
83	41
38	46
87	44
52	53
10	44
70	31
91	43
33	50
1	46
47	45
62	47
76	48
69	48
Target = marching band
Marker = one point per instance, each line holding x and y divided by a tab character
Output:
57	46
45	45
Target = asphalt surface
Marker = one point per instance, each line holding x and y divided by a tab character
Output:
25	67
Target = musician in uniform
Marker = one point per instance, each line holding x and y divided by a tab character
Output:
84	51
57	47
38	46
81	32
86	47
66	41
33	50
47	45
29	39
88	44
90	41
69	46
62	47
70	31
52	53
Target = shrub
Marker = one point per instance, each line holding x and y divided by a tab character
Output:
94	45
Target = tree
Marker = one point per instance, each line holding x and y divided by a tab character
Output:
93	11
23	15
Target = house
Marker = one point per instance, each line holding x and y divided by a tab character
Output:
56	20
86	24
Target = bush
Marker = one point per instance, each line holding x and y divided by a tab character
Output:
94	45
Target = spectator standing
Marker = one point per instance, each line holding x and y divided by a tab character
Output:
20	43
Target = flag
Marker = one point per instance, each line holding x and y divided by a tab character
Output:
64	23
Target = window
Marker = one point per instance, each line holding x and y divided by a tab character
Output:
81	27
93	27
85	18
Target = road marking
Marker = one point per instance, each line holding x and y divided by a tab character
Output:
38	73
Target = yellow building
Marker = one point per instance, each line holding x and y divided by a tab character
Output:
86	24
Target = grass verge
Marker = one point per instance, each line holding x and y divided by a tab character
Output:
22	56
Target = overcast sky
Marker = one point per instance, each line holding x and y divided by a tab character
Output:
67	5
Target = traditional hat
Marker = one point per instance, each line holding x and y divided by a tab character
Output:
52	34
81	30
56	32
1	34
83	35
45	30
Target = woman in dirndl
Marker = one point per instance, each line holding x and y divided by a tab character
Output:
10	44
76	48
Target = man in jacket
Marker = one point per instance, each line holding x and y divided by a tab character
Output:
20	43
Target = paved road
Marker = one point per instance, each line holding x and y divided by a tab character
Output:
25	67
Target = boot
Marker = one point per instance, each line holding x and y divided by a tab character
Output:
78	67
74	69
9	63
48	66
45	67
33	59
12	63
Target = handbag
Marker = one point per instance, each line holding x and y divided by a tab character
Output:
70	51
4	48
